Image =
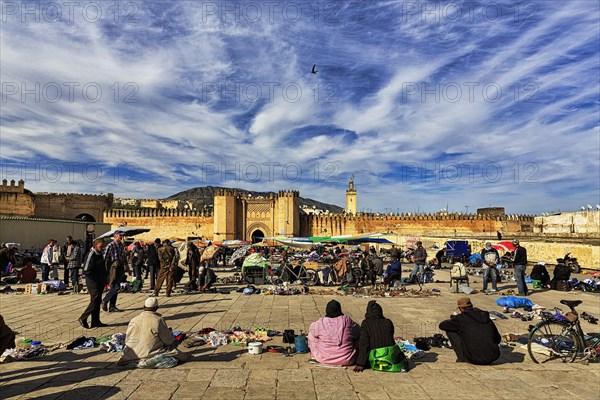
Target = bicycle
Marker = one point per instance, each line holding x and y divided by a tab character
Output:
561	339
289	273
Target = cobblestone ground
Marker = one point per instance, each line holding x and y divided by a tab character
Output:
229	372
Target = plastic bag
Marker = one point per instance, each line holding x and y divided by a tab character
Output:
158	361
514	302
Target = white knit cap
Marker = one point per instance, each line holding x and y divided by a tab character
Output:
151	302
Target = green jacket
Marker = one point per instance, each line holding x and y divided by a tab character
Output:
166	256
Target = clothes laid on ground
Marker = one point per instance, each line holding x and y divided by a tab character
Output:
474	336
77	342
88	344
115	344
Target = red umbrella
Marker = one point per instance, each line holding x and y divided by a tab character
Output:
130	247
506	246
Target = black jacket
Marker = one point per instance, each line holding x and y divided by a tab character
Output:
540	273
375	331
561	273
480	337
153	255
94	268
520	256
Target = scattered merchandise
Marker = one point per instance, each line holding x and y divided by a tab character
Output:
497	314
255	348
115	344
88	344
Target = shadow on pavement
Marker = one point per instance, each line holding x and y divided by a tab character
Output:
38	379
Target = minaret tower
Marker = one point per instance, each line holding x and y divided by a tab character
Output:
351	198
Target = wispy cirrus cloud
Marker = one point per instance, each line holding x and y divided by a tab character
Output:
427	104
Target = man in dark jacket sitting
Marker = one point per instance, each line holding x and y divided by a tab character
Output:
562	274
473	335
540	273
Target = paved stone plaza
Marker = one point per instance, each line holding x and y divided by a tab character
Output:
228	372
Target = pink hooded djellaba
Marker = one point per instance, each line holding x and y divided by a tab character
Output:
332	340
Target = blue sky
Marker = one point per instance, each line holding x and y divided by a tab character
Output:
427	104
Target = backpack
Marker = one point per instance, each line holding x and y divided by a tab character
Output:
388	359
458	270
289	336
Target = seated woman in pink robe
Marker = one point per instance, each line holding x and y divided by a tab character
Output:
333	338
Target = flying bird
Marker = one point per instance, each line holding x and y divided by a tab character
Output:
314	69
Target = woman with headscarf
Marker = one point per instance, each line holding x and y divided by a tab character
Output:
333	337
376	332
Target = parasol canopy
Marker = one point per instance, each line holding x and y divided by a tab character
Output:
127	231
131	246
209	252
504	246
239	253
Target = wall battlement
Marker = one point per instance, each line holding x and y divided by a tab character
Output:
425	217
152	213
18	188
82	196
288	193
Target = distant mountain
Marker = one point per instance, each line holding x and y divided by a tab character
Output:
201	196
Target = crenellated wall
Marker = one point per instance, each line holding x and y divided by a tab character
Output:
71	206
15	200
164	223
420	224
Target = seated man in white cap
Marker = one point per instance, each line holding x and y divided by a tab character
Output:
148	336
473	335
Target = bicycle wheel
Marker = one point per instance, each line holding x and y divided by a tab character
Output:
552	341
311	277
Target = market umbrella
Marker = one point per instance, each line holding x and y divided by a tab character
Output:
505	246
127	230
239	253
130	247
209	252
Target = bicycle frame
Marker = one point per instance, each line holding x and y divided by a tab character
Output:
588	346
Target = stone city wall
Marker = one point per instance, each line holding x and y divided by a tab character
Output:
581	222
15	200
163	223
70	206
422	224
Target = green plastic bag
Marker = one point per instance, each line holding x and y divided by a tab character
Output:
388	359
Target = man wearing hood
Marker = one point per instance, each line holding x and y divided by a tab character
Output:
376	332
332	338
473	335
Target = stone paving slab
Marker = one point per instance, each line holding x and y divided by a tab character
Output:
230	372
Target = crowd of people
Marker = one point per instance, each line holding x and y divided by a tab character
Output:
107	265
334	339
